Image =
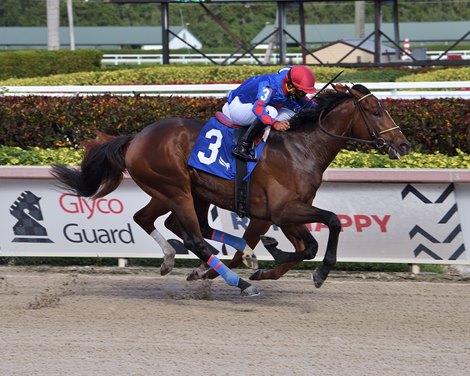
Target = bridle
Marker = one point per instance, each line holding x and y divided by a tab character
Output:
377	141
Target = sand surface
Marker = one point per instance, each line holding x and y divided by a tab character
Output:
109	321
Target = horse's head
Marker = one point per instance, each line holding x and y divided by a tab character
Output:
371	121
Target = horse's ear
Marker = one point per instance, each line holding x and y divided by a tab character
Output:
340	88
359	91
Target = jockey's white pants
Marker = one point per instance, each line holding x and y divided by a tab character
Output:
242	113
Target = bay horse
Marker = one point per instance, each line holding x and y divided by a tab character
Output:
282	186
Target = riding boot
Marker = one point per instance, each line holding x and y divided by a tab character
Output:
245	142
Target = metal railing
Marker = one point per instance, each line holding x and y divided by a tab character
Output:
139	59
395	90
292	58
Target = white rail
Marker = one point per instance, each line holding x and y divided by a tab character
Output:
455	54
119	59
395	90
292	58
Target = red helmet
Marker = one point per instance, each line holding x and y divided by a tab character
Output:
302	78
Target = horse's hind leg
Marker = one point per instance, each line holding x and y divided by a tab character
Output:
243	246
145	218
183	208
255	229
171	223
201	207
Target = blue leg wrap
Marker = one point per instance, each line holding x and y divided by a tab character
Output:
228	275
234	241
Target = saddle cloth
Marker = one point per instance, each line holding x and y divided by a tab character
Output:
212	152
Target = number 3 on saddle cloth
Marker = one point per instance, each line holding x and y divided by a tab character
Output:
212	151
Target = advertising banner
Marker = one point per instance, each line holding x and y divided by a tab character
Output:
381	222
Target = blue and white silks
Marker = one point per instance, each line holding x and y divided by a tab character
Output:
212	151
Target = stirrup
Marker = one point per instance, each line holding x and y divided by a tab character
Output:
243	153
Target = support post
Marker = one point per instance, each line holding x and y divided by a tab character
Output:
396	28
122	262
165	33
414	268
378	25
302	31
281	8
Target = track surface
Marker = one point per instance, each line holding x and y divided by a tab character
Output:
108	321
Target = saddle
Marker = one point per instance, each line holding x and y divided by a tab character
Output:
212	153
222	118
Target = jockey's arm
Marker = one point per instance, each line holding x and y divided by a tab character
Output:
259	107
259	110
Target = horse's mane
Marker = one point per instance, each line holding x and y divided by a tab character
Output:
326	102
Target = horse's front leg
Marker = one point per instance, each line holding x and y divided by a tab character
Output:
302	213
302	240
145	218
244	246
255	229
330	219
193	240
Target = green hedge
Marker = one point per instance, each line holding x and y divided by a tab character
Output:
18	64
183	74
34	156
66	121
431	125
442	74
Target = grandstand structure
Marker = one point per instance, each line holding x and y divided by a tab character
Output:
281	32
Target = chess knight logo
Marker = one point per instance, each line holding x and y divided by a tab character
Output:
27	211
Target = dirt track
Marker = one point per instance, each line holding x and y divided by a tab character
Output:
134	322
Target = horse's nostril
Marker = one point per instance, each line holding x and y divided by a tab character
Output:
405	147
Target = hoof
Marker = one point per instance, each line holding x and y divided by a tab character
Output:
256	275
198	273
167	266
317	280
193	276
250	260
269	242
250	291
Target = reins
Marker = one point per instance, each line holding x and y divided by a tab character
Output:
377	141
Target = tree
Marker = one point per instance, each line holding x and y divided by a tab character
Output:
53	12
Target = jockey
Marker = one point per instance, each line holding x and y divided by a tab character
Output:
268	100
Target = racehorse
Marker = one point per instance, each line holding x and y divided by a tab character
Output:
282	186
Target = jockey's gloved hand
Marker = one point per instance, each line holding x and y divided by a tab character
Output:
281	126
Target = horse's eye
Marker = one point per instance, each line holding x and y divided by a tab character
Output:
376	113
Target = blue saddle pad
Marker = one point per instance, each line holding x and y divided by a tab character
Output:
212	151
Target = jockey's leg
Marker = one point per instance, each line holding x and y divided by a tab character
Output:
245	142
242	114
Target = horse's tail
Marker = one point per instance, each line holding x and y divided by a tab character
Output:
101	170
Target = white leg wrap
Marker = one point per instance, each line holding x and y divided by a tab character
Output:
248	250
249	258
167	249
